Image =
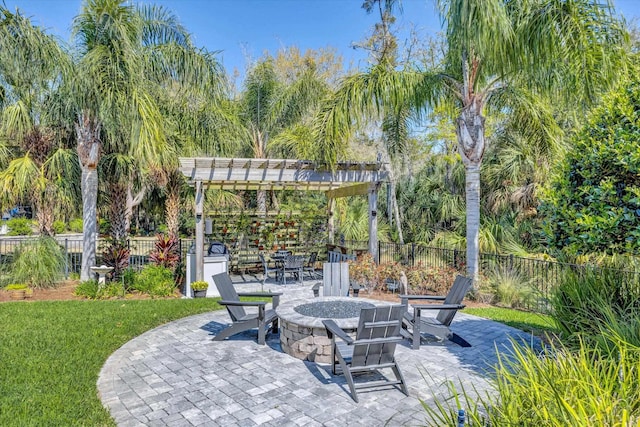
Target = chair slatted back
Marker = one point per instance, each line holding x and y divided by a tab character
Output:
228	293
293	262
455	296
334	256
377	322
335	279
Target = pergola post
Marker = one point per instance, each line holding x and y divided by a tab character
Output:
373	221
331	220
199	247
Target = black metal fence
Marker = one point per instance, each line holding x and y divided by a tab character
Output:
538	275
139	249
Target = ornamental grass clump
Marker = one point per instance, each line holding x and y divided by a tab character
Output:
39	263
561	387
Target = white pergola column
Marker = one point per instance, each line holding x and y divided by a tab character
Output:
199	247
373	221
331	221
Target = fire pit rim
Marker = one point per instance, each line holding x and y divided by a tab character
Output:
286	311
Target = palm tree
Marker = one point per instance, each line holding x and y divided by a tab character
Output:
121	50
501	56
271	109
31	63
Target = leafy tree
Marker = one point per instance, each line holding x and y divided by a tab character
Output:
593	204
500	56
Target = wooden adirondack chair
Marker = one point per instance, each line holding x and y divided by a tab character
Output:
413	325
241	321
373	348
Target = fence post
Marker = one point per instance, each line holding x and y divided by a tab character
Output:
413	254
455	259
379	260
66	258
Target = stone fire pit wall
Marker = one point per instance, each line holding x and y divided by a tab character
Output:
302	334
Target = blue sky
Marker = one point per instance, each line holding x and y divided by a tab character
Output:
243	29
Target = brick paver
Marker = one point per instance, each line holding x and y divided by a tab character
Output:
175	375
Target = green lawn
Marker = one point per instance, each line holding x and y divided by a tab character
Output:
51	354
527	321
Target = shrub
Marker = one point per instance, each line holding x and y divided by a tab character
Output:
59	227
155	281
511	289
75	225
592	204
116	254
90	289
128	277
39	263
19	227
364	270
87	289
165	253
423	280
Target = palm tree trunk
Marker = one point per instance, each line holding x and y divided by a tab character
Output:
117	215
472	176
172	207
89	186
88	136
45	204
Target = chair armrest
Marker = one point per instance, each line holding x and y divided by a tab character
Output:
259	294
243	303
439	306
423	297
275	296
333	329
387	340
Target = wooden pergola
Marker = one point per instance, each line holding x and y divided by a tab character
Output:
342	180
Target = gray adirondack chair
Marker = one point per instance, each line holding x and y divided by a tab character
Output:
413	324
241	320
373	348
294	265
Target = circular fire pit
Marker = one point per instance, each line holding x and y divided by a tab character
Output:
302	334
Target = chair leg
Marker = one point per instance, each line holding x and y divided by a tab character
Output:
399	377
348	376
261	333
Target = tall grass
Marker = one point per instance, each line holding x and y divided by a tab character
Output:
588	302
38	263
559	388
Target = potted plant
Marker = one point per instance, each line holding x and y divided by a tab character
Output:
199	288
19	291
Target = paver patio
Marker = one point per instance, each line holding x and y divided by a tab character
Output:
175	375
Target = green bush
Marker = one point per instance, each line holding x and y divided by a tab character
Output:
593	203
39	263
59	227
87	289
156	281
510	289
75	225
19	227
90	289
